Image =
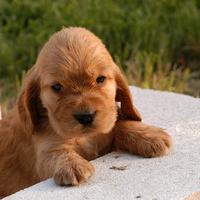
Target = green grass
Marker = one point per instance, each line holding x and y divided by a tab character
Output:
155	42
150	71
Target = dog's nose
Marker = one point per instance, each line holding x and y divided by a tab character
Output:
85	118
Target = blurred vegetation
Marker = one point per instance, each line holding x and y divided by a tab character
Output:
155	42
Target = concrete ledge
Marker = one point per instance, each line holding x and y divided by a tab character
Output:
172	177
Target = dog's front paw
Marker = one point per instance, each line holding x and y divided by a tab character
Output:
141	139
154	143
74	171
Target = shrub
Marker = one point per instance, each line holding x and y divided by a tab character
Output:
129	28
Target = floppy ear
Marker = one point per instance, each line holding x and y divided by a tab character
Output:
123	95
31	111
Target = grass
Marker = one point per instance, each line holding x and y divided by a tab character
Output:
149	71
156	43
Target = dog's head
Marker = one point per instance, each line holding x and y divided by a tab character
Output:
74	86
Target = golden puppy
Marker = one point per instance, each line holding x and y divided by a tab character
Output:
66	115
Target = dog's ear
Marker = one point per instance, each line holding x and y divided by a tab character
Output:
29	105
123	95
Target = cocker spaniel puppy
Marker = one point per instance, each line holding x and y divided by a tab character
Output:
67	114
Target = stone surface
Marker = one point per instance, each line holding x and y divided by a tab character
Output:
172	177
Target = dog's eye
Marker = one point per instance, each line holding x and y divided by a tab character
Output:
56	87
100	79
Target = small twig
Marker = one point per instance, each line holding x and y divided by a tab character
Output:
121	168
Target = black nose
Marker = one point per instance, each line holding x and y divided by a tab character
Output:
85	118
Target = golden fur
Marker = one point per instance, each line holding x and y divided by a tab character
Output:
40	137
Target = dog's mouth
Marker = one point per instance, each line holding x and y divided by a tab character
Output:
86	129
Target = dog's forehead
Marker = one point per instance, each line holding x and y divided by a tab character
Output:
74	52
73	47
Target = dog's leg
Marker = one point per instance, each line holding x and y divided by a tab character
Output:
63	163
94	145
141	139
68	161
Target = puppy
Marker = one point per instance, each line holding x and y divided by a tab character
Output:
66	115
